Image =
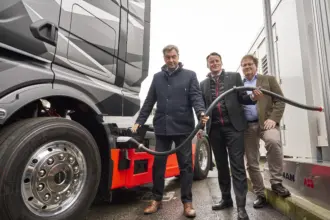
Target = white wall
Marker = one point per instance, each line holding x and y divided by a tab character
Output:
311	71
299	78
291	73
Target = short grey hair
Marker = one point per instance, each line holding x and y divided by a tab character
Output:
170	48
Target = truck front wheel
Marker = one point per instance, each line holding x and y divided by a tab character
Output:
50	169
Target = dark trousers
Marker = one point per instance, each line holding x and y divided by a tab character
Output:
184	156
226	140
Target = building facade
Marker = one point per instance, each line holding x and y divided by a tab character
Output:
302	64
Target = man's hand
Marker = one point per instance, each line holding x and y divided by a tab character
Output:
135	127
204	118
256	95
269	124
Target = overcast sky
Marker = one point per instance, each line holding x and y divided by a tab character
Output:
199	27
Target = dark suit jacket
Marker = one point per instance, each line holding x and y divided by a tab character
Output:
268	107
234	101
176	95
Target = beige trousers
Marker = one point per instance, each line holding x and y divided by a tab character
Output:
273	145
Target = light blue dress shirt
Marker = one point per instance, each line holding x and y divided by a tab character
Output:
251	111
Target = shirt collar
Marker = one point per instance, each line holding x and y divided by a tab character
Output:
254	78
215	76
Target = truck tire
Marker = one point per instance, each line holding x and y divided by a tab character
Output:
202	159
50	169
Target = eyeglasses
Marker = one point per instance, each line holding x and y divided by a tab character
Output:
247	64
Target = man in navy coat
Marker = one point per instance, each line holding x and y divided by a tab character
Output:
176	91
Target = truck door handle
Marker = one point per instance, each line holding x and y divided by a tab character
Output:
44	30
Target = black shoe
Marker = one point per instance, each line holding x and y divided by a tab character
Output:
223	204
241	214
280	190
259	202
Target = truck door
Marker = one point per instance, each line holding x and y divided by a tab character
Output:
26	55
88	37
138	41
137	53
16	18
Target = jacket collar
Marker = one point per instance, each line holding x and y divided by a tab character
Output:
178	69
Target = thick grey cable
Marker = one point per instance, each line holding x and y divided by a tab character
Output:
209	111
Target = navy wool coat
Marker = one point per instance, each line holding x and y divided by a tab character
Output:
176	95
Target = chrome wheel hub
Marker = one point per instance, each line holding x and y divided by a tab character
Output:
53	178
203	155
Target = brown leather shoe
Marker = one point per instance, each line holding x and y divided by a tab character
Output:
189	211
153	207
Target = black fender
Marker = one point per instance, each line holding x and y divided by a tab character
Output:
14	101
21	97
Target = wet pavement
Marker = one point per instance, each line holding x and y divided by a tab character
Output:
129	204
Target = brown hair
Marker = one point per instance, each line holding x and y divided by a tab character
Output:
251	57
170	48
213	54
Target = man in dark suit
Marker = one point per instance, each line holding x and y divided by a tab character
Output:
176	91
226	131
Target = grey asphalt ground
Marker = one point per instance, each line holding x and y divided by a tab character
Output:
129	204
